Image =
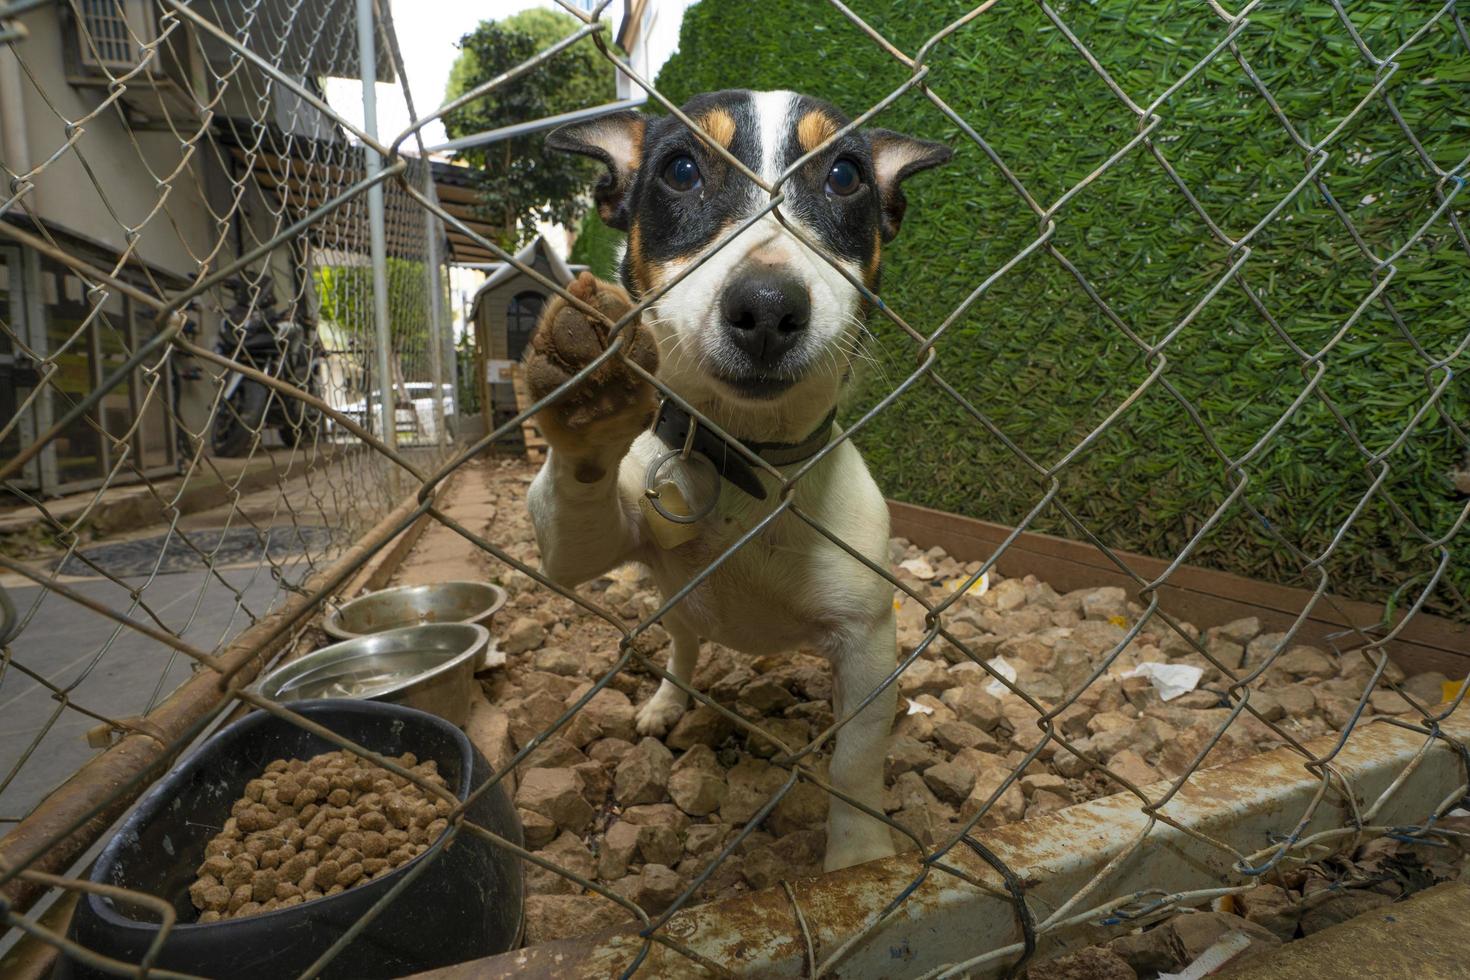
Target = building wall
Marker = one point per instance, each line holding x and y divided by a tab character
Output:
657	41
116	168
124	167
124	174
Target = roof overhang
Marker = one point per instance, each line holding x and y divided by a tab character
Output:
454	185
291	33
561	272
302	185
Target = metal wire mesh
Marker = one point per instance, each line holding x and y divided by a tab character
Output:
161	197
294	206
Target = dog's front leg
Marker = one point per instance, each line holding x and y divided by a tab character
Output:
860	663
584	526
658	713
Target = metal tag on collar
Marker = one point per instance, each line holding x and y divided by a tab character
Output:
668	515
706	443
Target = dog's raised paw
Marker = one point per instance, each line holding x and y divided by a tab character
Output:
613	403
658	714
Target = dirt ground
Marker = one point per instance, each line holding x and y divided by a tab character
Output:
646	816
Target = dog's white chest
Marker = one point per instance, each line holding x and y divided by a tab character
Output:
786	587
759	600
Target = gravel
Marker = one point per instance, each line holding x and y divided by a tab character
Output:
665	806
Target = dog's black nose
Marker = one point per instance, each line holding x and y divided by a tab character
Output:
765	313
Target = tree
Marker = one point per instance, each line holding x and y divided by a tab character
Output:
519	182
596	247
345	294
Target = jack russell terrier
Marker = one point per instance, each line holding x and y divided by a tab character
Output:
760	339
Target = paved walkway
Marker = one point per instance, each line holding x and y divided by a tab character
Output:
68	645
117	672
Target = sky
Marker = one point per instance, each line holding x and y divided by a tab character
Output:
428	32
428	36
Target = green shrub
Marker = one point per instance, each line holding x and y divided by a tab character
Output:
596	247
1045	366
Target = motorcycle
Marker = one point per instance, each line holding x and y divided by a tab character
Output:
271	342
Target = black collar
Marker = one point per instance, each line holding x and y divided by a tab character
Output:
672	429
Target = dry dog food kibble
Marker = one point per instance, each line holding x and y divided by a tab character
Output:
308	829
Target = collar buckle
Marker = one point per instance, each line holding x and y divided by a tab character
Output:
685	437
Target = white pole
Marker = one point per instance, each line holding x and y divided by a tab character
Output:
436	311
367	56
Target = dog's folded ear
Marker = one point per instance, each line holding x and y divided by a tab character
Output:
896	158
617	141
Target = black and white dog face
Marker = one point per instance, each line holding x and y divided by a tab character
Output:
761	334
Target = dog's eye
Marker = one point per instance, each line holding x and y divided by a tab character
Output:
682	174
844	178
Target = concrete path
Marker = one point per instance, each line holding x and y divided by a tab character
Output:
68	645
41	741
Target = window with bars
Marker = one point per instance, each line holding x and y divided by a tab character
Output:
113	32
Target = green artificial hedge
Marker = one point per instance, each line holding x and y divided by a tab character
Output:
1046	366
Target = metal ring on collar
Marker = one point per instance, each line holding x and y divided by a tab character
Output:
651	480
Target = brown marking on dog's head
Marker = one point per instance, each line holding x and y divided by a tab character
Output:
875	262
814	129
770	254
617	141
635	148
719	125
637	263
896	158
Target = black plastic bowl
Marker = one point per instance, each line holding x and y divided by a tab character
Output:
467	904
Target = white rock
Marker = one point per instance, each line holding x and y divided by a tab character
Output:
919	568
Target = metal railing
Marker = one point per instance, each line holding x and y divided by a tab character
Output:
296	195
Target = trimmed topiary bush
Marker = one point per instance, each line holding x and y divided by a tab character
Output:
1381	400
596	247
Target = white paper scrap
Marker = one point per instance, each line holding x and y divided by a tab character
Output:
1003	668
1230	946
492	657
1170	680
915	708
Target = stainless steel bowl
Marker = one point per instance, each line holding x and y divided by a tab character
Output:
429	667
409	605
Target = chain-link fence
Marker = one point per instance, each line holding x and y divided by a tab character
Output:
327	235
176	240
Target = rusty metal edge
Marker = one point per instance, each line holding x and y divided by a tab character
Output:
136	753
1420	937
32	959
946	919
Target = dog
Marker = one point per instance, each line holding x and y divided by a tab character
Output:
760	338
